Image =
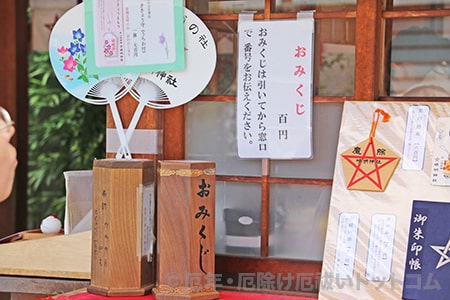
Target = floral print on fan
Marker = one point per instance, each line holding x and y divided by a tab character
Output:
163	42
110	45
74	58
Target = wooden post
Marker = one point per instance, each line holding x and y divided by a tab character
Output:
185	230
122	228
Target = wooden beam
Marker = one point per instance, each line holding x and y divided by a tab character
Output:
301	278
368	48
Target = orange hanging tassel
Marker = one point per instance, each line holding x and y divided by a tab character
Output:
375	119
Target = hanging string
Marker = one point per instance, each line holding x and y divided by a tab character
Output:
375	119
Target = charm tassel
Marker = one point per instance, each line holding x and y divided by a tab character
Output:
375	119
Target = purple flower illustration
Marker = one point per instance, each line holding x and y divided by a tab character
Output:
163	42
162	39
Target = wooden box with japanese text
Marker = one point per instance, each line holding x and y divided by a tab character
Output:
122	227
185	230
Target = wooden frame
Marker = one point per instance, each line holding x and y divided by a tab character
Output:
371	17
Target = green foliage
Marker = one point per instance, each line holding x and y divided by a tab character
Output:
64	134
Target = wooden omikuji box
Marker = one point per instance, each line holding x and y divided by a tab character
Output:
122	228
185	230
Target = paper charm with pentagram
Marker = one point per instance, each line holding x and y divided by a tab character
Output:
369	165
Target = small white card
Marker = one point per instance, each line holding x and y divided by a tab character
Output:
415	137
381	247
440	172
347	238
148	216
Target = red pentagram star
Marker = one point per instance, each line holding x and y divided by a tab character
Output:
374	162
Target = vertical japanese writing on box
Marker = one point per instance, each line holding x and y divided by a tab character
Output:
419	221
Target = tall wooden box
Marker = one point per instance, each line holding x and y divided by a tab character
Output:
185	231
122	225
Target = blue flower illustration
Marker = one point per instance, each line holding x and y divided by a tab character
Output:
75	62
78	35
74	48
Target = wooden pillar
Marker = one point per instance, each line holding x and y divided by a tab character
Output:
122	227
13	84
185	230
368	41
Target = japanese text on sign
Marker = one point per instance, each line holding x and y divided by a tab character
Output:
416	247
134	36
200	215
274	110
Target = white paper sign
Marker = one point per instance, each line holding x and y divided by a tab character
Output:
381	247
274	99
415	137
440	172
148	215
347	239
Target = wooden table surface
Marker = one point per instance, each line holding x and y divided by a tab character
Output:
61	256
47	266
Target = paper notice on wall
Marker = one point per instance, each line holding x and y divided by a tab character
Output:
274	97
131	36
